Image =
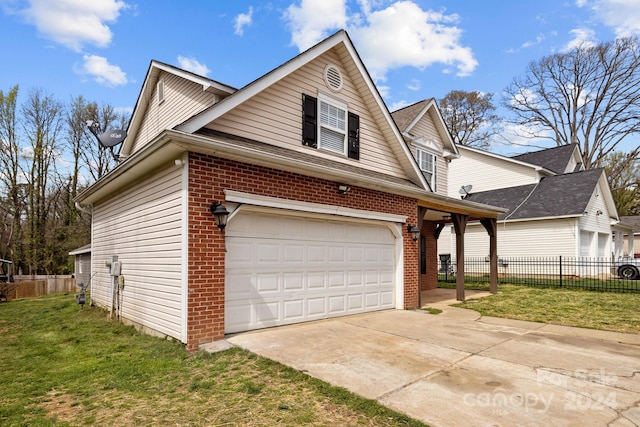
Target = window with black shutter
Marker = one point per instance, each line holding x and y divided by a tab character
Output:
327	125
309	122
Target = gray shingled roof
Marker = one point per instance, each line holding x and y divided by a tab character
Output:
632	221
555	159
558	195
404	116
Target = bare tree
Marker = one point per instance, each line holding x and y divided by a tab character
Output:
42	124
10	175
589	96
625	186
470	117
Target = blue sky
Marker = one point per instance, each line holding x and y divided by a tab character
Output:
416	49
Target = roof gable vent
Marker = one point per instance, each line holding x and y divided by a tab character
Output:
333	77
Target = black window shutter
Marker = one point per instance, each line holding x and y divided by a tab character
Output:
353	149
309	125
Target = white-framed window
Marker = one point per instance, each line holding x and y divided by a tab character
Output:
427	164
332	125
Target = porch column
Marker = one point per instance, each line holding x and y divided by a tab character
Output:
491	225
459	224
422	211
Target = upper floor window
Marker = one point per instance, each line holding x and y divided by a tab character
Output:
332	126
427	164
328	125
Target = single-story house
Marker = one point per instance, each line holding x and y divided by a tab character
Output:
294	198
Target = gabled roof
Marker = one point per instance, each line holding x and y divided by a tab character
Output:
150	81
564	195
555	159
368	90
407	117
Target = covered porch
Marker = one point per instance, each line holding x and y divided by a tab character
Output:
436	212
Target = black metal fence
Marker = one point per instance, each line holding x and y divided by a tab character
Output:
596	274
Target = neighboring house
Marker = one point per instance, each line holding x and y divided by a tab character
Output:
82	264
555	207
630	240
323	194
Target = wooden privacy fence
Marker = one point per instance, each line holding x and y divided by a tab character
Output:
35	286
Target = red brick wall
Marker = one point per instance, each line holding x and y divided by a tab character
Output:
430	279
210	176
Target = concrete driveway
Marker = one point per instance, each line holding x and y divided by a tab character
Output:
458	368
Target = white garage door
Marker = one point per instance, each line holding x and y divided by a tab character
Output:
283	269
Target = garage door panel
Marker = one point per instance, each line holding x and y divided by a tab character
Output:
355	302
286	269
337	304
267	313
316	306
293	281
293	310
293	253
336	279
316	280
371	300
267	283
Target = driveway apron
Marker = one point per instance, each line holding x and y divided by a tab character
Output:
458	368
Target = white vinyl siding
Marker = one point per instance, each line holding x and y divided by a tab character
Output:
181	99
486	172
545	238
426	128
274	116
143	226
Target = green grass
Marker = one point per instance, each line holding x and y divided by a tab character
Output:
66	366
616	312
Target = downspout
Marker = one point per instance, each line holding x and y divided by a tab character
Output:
83	210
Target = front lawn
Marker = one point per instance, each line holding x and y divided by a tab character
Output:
618	312
61	365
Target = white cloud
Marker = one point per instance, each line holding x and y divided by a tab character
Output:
414	85
399	35
582	37
193	65
398	105
623	16
242	20
74	23
101	71
313	19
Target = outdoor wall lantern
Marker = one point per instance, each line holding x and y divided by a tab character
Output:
414	231
343	189
220	213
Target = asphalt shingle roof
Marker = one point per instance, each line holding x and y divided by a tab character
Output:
404	116
555	159
558	195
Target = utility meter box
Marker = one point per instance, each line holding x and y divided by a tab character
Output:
116	268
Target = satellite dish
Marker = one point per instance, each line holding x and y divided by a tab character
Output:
465	189
111	138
